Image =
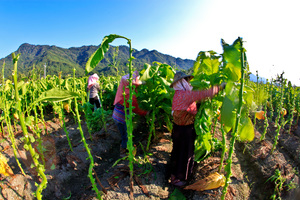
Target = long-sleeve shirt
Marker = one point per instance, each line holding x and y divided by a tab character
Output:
184	104
119	112
94	90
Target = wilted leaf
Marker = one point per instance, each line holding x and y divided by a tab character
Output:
4	167
212	181
260	114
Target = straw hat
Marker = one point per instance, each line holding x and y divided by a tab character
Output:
180	75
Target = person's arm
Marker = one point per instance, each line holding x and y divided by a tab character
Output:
188	97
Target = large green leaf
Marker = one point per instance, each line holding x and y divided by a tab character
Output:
167	71
210	66
232	59
200	82
148	72
98	55
56	95
228	114
206	62
229	107
246	129
233	73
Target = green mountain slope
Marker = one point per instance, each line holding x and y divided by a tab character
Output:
59	59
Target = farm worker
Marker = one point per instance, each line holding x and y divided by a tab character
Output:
183	136
119	112
94	88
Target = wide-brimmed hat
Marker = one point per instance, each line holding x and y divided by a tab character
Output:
180	75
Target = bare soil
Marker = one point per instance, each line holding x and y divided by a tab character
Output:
67	170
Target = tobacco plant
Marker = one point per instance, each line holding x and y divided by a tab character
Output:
266	121
237	102
90	156
290	105
95	58
5	106
156	96
207	73
279	121
279	181
28	139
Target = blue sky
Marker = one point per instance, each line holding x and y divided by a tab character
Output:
180	28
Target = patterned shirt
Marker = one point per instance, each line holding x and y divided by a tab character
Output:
184	104
119	113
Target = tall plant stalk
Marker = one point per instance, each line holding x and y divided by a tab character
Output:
279	122
152	129
256	96
62	116
271	89
266	121
8	124
128	119
28	139
223	148
291	102
90	156
235	131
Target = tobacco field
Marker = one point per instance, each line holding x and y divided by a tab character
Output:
53	146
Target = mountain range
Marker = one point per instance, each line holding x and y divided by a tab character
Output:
57	59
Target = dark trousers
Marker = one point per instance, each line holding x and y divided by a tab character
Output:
123	131
182	156
95	101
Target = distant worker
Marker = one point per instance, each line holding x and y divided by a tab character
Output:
183	136
119	111
94	88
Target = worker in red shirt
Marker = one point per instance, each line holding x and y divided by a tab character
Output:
184	110
119	111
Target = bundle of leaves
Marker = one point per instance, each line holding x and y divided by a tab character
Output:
94	119
156	95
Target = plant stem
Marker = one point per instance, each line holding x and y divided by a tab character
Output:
279	122
235	131
90	157
152	129
223	148
128	119
40	168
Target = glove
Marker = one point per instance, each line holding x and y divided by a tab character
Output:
223	85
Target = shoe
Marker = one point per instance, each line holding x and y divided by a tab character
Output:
177	182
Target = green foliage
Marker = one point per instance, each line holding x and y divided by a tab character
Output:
279	181
108	86
177	195
94	119
155	95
